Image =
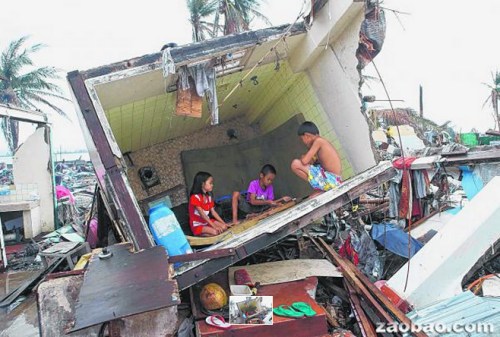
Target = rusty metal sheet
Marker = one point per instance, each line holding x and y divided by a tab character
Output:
126	284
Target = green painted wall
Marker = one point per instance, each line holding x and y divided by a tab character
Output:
295	95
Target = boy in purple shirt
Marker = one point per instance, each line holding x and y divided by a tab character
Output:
260	195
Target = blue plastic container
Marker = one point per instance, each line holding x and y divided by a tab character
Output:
167	231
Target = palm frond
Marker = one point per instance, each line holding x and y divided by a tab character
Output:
39	99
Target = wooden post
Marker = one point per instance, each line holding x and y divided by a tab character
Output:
357	278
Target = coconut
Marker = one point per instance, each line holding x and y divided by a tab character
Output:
213	296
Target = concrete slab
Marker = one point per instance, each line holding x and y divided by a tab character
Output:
436	271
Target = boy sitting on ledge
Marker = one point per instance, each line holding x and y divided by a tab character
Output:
321	165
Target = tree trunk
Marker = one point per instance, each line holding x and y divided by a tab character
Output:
10	127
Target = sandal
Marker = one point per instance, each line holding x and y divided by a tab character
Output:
304	308
217	321
286	311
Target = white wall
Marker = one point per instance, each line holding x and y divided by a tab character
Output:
328	54
437	270
31	165
336	83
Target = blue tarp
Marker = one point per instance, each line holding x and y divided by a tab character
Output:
395	239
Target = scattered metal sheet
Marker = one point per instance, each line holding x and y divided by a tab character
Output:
464	310
286	271
61	247
125	284
30	283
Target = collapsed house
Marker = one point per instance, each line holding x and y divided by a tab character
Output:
27	200
148	133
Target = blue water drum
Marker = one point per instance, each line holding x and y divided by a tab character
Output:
167	231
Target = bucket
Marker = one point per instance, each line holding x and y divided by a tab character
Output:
167	231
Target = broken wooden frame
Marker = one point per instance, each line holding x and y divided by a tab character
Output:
360	283
104	151
278	226
22	115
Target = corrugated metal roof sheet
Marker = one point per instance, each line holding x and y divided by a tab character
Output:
465	309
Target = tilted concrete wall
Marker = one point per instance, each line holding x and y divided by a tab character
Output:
335	79
32	170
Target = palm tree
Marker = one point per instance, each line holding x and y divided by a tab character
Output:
494	96
199	10
238	14
25	89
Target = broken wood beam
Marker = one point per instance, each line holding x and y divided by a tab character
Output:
364	322
212	254
356	283
373	201
373	209
425	218
353	275
331	320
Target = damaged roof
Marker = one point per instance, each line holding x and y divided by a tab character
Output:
135	95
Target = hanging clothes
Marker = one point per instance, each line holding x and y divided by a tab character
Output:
193	83
201	81
394	196
421	183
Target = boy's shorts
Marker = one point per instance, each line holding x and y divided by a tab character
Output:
322	180
245	207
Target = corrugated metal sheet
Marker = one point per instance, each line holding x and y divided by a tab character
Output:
465	309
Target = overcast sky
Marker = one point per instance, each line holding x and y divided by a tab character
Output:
447	46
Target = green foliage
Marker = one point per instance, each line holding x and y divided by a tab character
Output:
205	16
200	11
25	86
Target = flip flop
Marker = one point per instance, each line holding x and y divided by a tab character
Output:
286	311
217	321
304	308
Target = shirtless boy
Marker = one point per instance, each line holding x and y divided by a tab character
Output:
321	165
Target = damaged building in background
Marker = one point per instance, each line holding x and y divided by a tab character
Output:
228	106
27	199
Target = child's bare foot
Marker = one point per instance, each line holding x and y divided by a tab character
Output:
234	223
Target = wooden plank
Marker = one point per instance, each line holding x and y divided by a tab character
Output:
61	247
22	115
239	228
373	209
333	322
355	282
364	323
424	162
213	254
355	276
57	300
286	271
123	285
424	219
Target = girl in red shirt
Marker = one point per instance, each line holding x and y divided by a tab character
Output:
201	206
